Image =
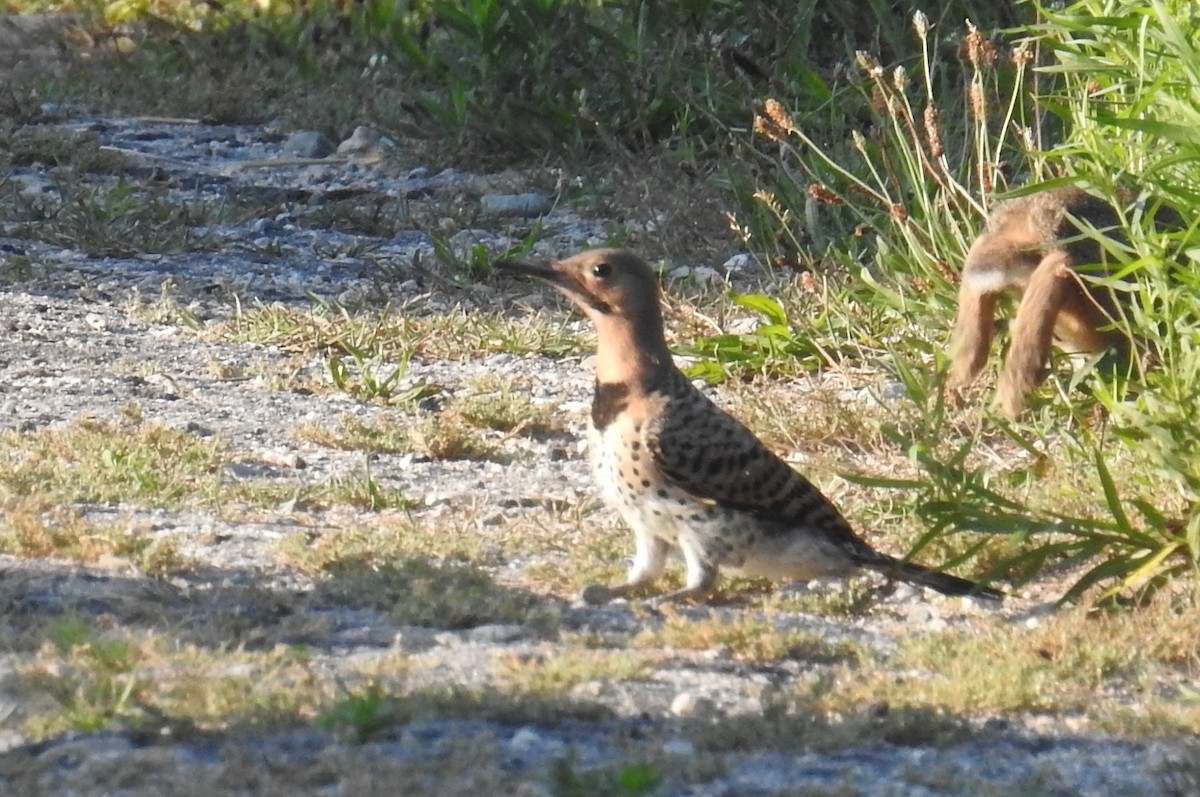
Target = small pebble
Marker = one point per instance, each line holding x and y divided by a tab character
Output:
679	746
687	704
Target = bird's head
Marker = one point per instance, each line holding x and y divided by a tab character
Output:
619	293
603	282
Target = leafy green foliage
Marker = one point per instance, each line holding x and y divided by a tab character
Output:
1128	72
362	713
1121	94
526	76
776	344
773	340
633	780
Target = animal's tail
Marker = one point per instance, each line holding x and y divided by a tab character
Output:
923	576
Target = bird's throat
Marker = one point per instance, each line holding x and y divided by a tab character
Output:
629	353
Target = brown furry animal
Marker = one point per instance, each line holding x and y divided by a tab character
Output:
1033	246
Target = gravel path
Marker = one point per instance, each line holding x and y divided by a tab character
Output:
90	337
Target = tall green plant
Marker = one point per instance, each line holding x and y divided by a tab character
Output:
895	205
1117	86
941	143
1131	94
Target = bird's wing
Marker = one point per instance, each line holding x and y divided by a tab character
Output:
700	449
709	454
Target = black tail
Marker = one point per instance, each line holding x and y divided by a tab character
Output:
918	574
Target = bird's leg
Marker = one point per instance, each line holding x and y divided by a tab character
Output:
702	574
649	561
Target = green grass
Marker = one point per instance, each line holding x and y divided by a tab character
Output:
108	461
1055	666
390	337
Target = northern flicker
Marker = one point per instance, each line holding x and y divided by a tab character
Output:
682	472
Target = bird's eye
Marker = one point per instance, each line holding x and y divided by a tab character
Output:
601	271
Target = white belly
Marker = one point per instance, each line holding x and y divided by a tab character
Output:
722	536
639	504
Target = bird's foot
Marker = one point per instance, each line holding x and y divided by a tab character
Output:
598	594
685	595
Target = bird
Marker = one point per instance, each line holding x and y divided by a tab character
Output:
686	476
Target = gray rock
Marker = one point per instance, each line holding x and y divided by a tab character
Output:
366	143
463	242
498	634
529	204
307	144
677	745
534	744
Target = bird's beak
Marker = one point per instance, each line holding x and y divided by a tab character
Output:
527	269
557	276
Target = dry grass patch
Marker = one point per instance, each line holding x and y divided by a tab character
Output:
592	552
804	726
31	530
393	537
170	309
369	708
816	419
130	460
77	151
384	434
87	678
359	490
417	592
448	437
502	405
16	269
396	334
852	597
420	574
441	436
376	215
746	637
1123	671
560	671
112	220
109	461
472	424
